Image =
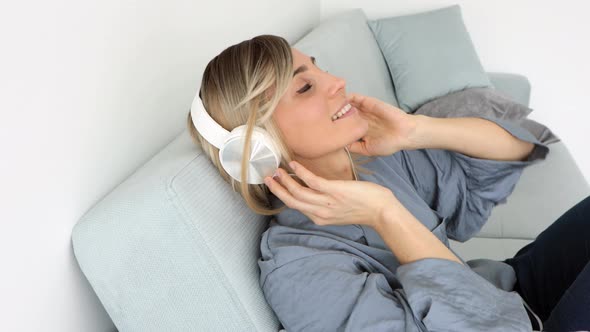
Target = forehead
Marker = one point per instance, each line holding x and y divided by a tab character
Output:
299	57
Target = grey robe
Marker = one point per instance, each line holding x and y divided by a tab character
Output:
345	278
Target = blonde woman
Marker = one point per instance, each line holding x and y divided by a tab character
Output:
361	244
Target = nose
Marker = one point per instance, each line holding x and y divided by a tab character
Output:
337	85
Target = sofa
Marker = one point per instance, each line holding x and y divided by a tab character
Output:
173	248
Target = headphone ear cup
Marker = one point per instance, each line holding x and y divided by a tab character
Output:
264	158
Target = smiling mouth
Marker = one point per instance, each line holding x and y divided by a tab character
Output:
344	110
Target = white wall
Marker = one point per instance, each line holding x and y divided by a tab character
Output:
91	90
547	41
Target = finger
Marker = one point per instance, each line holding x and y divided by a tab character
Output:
367	104
356	98
283	194
299	191
313	181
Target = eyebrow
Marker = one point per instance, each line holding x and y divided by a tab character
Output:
303	68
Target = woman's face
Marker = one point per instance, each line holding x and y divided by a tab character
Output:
304	113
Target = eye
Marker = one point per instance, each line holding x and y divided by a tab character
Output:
306	87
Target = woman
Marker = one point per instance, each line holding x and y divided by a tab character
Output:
369	250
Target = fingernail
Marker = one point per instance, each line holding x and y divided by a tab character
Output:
292	165
276	174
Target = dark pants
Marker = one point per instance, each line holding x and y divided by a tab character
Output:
553	272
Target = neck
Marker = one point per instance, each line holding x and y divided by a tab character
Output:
333	166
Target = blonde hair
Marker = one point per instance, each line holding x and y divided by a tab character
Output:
243	85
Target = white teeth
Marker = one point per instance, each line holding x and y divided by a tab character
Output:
342	111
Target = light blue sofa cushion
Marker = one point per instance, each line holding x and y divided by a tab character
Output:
173	248
515	86
344	46
429	55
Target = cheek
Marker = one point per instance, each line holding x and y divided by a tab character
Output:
307	125
309	132
303	127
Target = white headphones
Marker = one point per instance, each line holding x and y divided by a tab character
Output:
264	159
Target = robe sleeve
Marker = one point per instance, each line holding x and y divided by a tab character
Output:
465	189
337	291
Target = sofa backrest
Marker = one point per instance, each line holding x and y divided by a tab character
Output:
173	248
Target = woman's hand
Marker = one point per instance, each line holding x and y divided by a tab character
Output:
332	202
390	128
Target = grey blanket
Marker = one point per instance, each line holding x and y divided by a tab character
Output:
487	102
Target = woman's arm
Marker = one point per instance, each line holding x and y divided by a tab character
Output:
474	137
408	238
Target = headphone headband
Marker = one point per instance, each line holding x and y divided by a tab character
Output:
206	126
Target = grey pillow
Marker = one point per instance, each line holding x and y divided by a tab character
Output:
486	102
429	55
344	45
